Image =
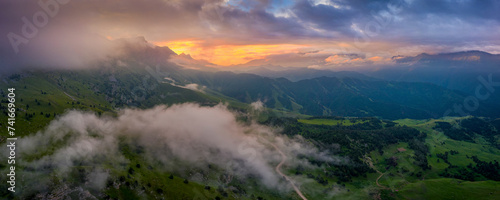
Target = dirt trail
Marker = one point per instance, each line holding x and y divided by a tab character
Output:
369	160
70	96
278	169
381	174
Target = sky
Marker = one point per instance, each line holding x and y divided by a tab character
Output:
232	33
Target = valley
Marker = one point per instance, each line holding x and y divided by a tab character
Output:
372	157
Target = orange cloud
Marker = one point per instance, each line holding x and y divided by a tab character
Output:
336	59
345	60
226	55
376	58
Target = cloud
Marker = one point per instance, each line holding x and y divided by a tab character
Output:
190	86
298	59
78	32
323	60
195	87
341	59
179	137
257	106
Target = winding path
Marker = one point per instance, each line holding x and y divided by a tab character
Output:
278	169
369	160
381	174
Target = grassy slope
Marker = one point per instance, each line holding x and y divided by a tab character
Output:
152	177
445	188
400	181
329	122
434	187
58	94
29	93
439	143
86	91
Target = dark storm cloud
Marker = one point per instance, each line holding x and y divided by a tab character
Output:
325	17
449	22
464	9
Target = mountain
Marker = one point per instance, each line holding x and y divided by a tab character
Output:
458	57
297	74
155	153
325	93
456	71
143	76
335	96
475	73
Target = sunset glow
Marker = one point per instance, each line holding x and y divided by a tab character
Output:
226	55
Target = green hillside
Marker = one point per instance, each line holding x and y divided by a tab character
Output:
374	158
333	96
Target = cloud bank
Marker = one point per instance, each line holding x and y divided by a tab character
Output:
178	137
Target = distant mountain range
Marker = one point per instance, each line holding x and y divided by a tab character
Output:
457	71
297	74
424	86
345	96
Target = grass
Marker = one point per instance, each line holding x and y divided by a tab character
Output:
430	185
331	122
402	180
60	92
157	184
445	188
153	177
57	92
39	95
411	122
439	143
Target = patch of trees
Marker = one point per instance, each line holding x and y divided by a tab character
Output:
321	180
490	170
356	141
444	155
481	171
421	151
452	132
471	127
346	172
481	127
461	173
478	126
392	161
29	116
389	123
